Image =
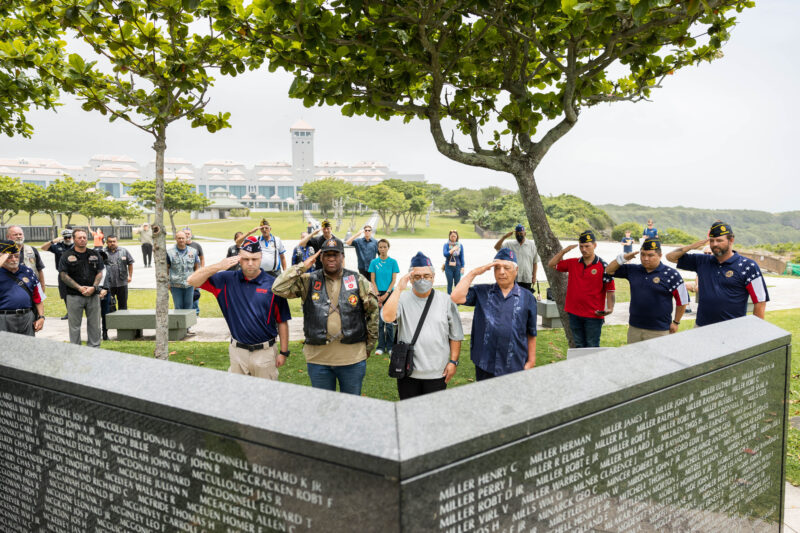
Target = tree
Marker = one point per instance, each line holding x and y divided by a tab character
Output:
67	196
178	196
462	201
513	76
384	200
29	45
417	201
34	200
160	53
323	192
13	201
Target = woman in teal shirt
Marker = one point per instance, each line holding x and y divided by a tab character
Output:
383	272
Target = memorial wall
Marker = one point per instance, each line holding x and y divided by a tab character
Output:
690	436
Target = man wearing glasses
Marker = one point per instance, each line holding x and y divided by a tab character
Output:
504	322
57	247
366	249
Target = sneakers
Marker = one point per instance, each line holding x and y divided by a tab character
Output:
378	352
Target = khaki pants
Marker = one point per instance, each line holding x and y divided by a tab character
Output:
638	334
260	363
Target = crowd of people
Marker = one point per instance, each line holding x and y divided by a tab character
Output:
350	314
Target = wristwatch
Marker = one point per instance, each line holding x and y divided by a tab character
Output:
676	322
39	317
454	362
287	353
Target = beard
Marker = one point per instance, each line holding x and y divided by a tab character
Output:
520	237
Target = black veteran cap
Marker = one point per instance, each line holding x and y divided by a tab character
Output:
251	245
652	244
587	236
9	247
332	245
718	229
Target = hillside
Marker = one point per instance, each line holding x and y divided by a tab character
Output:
751	227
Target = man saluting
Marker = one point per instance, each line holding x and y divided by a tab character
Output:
725	278
256	317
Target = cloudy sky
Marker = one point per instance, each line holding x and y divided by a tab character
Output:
721	135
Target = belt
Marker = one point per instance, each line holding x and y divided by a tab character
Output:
253	347
15	311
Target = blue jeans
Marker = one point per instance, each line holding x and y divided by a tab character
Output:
453	275
585	331
182	297
196	303
350	377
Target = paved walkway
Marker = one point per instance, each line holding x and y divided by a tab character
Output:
791	512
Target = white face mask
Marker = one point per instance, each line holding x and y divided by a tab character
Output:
422	286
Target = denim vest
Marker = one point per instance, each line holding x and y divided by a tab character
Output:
316	309
181	266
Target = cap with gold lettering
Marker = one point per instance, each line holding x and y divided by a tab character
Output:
718	229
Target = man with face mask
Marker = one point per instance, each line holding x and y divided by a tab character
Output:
21	294
504	321
438	346
340	318
725	278
527	256
28	255
653	287
256	317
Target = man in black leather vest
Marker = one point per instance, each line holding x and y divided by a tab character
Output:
340	318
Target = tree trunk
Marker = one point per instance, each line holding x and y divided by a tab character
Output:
30	218
172	222
547	244
160	253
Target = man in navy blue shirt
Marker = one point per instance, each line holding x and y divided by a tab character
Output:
366	249
504	323
255	316
21	294
725	278
653	287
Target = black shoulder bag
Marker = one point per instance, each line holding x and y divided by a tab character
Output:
401	364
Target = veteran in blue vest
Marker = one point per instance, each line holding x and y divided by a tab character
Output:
256	317
340	318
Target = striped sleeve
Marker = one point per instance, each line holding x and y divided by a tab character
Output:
678	287
38	294
756	285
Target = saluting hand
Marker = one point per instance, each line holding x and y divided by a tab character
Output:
3	258
402	284
699	244
569	248
481	269
308	263
228	262
631	255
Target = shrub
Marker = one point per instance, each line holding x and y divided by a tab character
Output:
619	230
676	236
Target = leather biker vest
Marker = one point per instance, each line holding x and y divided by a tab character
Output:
316	308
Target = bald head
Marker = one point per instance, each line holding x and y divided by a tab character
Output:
15	233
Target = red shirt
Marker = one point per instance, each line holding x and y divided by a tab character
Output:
587	286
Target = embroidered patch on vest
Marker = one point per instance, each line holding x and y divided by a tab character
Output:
317	285
350	283
353	299
315	296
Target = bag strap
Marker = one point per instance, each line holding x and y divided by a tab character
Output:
422	317
30	294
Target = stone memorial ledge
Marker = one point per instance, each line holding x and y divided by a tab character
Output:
680	432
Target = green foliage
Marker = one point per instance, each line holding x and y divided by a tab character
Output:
178	196
677	236
416	200
240	212
786	249
750	227
568	215
462	201
325	191
619	230
385	200
13	202
30	49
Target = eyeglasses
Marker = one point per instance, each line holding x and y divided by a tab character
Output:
426	277
367	230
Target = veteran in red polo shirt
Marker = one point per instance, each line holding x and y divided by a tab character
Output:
256	317
590	290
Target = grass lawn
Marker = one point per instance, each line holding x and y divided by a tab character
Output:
286	224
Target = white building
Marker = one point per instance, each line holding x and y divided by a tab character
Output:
267	185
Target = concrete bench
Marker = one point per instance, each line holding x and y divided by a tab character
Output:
130	323
548	310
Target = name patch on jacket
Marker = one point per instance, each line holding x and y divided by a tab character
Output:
350	283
